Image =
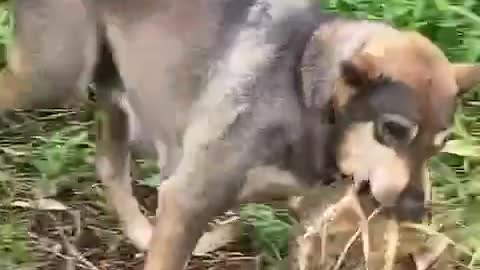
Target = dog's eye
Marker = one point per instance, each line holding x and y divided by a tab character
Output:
394	129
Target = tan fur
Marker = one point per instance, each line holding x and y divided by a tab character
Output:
440	138
467	75
361	156
14	93
380	50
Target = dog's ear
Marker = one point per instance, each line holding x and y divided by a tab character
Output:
467	76
360	71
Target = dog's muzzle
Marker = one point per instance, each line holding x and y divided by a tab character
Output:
410	206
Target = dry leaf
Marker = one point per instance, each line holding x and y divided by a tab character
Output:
221	235
21	204
392	240
50	204
437	245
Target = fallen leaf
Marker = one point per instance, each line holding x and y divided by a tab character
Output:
50	204
425	258
221	235
21	204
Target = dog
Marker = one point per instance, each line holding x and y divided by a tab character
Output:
241	100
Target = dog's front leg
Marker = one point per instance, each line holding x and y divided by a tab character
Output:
187	202
207	182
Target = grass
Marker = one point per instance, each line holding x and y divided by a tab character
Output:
47	153
42	155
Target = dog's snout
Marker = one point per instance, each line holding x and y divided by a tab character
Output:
410	206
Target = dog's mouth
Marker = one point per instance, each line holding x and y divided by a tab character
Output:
363	189
362	185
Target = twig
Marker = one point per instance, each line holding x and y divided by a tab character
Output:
329	215
350	200
437	246
43	245
352	239
363	224
392	235
72	250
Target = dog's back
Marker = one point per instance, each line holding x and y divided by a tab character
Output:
165	51
162	50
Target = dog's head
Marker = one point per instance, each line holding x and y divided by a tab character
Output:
395	100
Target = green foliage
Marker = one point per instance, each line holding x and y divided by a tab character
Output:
52	158
41	155
61	157
453	25
270	229
6	29
14	251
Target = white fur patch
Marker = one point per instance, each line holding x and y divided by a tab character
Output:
365	158
135	130
104	168
439	138
162	153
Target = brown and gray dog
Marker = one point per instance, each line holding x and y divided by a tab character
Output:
242	100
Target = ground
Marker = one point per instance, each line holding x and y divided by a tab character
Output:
49	155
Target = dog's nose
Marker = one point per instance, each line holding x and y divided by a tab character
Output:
410	206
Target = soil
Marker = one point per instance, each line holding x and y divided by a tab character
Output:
88	236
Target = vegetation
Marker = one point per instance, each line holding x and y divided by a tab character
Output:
49	153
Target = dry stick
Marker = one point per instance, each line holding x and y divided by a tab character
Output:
350	242
363	224
75	253
350	200
425	260
72	250
45	248
427	187
323	243
329	215
43	245
392	235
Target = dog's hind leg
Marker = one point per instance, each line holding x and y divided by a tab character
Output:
52	57
113	167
